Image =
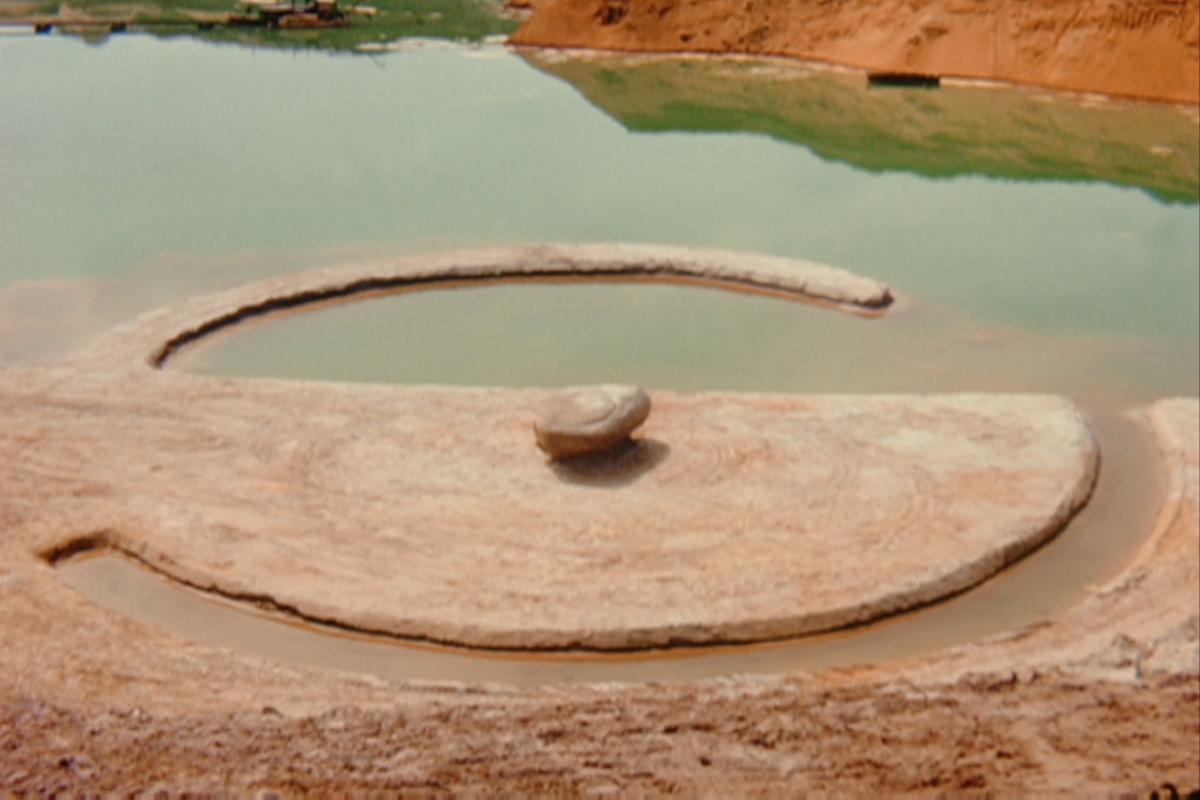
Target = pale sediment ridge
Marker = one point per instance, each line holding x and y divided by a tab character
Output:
154	337
426	512
1148	49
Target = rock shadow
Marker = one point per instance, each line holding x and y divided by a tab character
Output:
620	466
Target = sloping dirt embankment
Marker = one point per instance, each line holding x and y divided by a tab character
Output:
1136	48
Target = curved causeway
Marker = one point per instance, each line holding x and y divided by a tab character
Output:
170	329
425	512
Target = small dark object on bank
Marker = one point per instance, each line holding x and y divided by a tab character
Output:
904	79
1172	793
286	14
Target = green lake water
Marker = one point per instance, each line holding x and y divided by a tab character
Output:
146	170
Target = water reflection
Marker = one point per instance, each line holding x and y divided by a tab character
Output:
1021	134
459	20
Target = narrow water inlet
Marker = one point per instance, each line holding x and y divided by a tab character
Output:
1103	536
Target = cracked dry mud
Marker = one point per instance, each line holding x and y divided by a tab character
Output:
1104	697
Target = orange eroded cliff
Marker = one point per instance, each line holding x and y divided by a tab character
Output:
1137	48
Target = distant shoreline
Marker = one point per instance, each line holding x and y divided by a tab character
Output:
1148	51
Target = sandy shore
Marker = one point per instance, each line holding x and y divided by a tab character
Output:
1103	700
1147	49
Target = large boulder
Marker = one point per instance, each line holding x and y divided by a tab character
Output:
590	419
